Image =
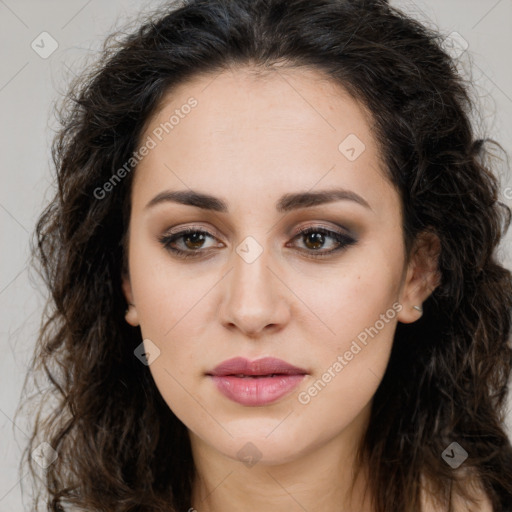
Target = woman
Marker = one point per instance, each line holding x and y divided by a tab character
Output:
272	264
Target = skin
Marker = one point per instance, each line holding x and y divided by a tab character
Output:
249	141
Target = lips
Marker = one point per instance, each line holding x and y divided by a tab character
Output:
256	383
267	366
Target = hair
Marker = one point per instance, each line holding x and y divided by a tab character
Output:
120	447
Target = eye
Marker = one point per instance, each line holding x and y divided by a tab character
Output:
192	240
315	237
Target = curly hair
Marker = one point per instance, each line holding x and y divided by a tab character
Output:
447	378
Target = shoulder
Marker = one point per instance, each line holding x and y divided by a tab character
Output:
472	485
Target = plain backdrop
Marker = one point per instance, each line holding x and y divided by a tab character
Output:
29	84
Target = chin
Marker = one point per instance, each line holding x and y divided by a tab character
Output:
251	449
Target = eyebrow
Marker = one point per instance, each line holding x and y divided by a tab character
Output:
286	203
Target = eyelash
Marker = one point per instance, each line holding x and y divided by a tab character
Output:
343	240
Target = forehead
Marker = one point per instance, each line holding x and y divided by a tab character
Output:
288	129
234	103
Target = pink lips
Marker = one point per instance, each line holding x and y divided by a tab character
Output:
258	382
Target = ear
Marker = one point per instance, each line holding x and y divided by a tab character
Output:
422	276
131	315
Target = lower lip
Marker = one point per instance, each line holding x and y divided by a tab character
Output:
256	391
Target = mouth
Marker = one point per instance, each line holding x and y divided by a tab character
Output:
242	376
256	383
264	367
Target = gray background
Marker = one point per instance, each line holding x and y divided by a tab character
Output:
29	84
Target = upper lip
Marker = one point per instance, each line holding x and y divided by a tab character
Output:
263	366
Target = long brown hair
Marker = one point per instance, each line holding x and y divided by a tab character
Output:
447	377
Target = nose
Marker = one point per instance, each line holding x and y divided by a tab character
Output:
255	299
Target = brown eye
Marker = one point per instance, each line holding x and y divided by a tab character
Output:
314	238
187	243
194	240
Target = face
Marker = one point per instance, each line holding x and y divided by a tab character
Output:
246	282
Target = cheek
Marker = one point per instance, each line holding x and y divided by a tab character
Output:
165	294
354	299
171	315
360	308
350	367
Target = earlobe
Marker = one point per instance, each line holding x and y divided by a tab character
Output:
131	315
423	276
